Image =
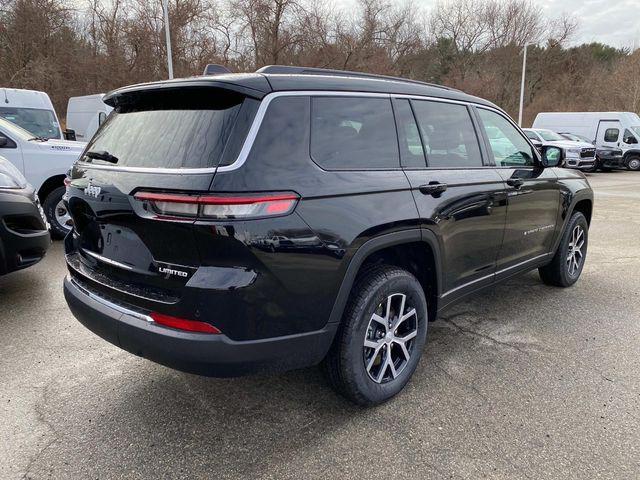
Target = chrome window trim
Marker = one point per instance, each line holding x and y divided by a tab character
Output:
257	122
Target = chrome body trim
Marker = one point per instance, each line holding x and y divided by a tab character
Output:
108	260
495	274
107	303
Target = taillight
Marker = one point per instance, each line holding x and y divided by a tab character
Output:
183	324
223	206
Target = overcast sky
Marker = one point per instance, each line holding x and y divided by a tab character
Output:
614	22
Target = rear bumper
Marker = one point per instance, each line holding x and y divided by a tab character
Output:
24	237
203	354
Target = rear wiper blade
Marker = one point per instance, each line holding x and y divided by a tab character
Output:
102	155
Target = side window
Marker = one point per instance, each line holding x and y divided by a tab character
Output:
6	142
509	147
353	133
448	134
411	151
611	135
629	138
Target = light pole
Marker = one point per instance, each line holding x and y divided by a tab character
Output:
524	68
168	37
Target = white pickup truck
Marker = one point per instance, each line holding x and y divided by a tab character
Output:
44	162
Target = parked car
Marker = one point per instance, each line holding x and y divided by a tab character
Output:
44	163
24	233
85	115
31	110
576	138
609	129
579	155
606	158
164	258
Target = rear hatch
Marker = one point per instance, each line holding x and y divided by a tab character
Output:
162	141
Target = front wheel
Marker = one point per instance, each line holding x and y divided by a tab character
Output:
380	340
566	266
57	213
633	163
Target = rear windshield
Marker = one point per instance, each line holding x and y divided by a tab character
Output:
39	122
177	129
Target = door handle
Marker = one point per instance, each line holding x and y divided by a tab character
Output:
515	182
435	189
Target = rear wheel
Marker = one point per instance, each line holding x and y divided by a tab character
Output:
633	163
381	338
57	213
566	266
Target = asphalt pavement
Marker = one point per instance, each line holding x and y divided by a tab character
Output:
522	381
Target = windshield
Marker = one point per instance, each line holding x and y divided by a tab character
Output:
39	122
550	136
636	130
166	132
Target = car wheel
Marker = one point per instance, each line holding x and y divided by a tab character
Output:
380	340
57	213
566	266
633	163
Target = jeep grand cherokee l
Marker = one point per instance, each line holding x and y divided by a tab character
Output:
243	223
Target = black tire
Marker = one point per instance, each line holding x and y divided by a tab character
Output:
633	163
345	363
49	206
560	272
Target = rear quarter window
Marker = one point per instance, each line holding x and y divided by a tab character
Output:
184	129
353	133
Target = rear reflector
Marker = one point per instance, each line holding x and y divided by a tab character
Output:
219	206
183	324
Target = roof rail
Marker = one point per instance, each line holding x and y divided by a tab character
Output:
292	70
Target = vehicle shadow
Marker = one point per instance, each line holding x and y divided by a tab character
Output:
163	423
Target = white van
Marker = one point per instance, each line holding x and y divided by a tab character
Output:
85	114
45	164
607	129
31	110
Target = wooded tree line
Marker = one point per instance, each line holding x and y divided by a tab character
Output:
66	48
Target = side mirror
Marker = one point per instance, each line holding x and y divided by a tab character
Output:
551	156
3	141
630	140
69	134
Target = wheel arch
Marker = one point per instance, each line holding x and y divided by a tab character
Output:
49	185
408	249
582	202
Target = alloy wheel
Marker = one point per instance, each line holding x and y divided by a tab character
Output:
62	216
575	255
389	339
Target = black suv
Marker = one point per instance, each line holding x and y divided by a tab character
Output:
240	223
